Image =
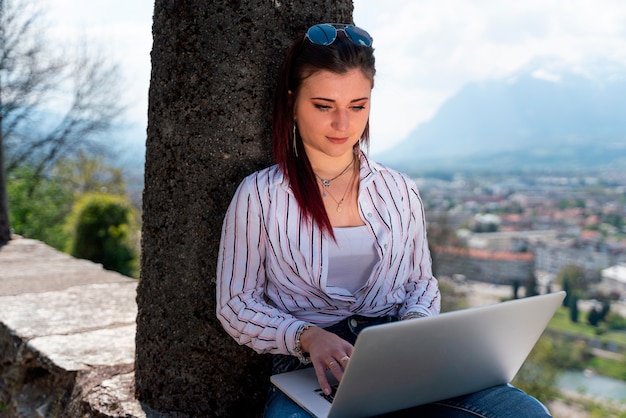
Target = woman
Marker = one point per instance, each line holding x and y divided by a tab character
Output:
327	239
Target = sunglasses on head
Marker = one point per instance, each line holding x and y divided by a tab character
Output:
326	33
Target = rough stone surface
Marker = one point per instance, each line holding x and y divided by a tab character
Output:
75	310
86	350
67	341
27	266
213	70
106	393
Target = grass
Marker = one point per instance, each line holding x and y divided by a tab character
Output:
609	367
561	322
597	409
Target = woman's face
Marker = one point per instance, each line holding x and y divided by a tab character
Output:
331	111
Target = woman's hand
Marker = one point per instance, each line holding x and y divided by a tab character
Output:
328	352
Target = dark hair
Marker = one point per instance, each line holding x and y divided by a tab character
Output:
304	59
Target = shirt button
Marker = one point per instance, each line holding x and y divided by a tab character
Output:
369	215
353	323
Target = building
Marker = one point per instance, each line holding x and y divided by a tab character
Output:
498	267
552	258
614	280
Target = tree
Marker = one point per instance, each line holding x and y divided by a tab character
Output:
573	308
593	317
101	228
598	313
516	286
572	280
531	285
5	230
40	212
540	372
85	173
51	106
566	287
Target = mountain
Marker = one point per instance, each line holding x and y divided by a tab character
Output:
523	122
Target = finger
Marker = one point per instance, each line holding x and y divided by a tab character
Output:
344	361
320	372
336	369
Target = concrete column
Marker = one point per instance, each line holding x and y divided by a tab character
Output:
213	69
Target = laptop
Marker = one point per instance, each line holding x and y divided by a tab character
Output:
403	364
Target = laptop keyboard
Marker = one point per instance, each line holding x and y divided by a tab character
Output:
330	397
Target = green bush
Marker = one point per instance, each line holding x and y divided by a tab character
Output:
101	227
38	207
615	321
539	374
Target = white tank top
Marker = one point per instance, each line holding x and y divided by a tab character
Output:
351	258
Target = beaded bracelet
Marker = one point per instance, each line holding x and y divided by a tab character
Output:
302	356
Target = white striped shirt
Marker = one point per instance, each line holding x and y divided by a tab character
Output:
273	263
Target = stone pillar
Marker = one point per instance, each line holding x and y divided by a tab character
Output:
213	68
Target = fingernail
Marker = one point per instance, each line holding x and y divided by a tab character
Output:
327	391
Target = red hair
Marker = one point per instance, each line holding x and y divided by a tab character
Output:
301	61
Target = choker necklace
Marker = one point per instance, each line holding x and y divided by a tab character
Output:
326	183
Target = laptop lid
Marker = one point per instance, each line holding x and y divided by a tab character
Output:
408	363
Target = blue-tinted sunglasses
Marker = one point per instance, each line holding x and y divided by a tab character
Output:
326	33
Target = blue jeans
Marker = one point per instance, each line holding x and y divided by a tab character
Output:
503	401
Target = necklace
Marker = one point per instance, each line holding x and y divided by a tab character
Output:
326	183
345	193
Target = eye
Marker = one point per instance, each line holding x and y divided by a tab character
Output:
358	108
322	107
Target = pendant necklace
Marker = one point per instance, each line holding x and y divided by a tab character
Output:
345	193
340	202
326	183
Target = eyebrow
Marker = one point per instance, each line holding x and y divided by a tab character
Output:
333	101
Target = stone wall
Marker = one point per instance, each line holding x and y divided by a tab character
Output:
67	330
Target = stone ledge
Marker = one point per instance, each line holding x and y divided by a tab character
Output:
67	336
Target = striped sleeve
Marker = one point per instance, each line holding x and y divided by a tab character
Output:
422	289
241	306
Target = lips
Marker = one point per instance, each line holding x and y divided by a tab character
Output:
335	140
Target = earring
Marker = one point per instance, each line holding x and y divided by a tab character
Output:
295	143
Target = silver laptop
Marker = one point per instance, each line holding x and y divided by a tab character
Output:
408	363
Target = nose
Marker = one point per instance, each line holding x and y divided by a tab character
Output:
341	120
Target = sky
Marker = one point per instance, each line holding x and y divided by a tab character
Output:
426	50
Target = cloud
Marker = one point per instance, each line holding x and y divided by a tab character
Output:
427	50
542	74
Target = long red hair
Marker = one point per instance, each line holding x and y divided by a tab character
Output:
301	61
